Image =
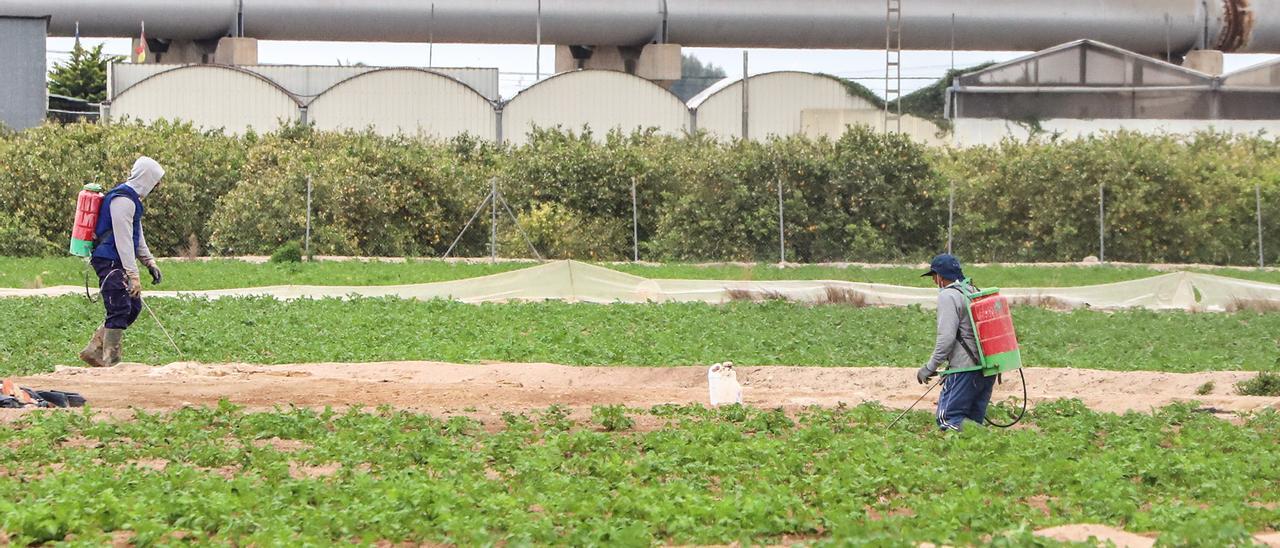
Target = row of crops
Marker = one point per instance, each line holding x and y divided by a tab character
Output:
831	476
226	274
266	331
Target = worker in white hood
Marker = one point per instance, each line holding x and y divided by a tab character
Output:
119	246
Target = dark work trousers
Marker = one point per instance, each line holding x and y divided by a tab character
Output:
122	309
964	396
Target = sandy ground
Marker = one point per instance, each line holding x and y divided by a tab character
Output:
1101	534
437	387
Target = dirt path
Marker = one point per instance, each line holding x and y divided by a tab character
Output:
436	387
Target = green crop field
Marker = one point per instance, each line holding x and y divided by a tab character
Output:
830	476
226	273
43	332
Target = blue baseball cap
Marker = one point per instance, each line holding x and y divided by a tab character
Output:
945	265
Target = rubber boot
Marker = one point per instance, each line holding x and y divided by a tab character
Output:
111	339
92	353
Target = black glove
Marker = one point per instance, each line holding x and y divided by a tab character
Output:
924	374
156	275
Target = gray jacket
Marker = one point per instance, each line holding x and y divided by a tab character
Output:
144	177
953	316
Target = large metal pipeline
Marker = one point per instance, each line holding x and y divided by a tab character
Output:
1147	26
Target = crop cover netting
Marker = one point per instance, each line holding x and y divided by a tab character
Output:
573	281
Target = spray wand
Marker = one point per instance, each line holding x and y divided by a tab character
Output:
913	406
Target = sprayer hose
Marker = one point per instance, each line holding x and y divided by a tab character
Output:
1017	419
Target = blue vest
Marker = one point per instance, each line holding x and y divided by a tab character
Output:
106	247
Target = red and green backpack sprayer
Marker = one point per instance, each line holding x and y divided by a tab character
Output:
88	205
997	352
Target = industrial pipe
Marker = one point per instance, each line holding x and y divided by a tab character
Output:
1145	26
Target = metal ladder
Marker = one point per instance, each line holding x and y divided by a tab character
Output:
893	66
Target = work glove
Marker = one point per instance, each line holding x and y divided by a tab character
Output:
924	374
133	284
154	269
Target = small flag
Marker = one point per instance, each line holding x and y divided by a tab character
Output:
141	50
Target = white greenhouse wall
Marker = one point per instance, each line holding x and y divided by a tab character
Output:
599	99
833	123
982	131
776	104
405	101
210	97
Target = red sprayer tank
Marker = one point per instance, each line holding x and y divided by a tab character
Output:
88	204
997	340
993	327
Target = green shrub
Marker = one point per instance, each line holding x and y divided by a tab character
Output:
1205	389
19	239
867	196
1265	384
558	232
371	195
42	169
1168	198
290	252
863	197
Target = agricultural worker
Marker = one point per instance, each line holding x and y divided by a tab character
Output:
120	246
965	395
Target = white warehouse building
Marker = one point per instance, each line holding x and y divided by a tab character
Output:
209	96
405	101
786	103
445	103
602	100
439	103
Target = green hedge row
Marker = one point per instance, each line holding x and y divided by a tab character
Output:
863	197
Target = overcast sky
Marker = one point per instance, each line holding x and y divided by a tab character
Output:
518	63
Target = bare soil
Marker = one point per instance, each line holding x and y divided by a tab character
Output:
442	387
1100	534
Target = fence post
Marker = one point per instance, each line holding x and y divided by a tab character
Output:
1257	195
635	224
951	208
782	235
306	240
493	225
1102	224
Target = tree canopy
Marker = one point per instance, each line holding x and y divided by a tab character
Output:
84	76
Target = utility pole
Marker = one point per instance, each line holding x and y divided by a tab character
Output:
538	63
746	99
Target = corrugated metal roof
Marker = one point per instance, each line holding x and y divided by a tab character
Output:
305	81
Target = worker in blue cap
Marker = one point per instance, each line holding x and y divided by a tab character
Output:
965	395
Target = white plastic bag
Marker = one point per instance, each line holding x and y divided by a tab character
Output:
722	383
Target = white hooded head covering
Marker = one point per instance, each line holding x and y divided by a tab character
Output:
145	176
